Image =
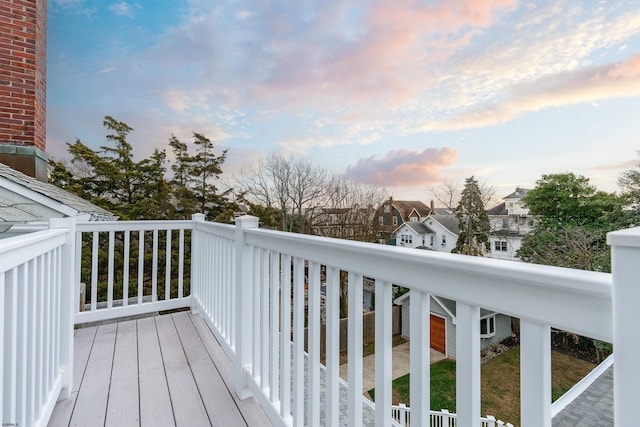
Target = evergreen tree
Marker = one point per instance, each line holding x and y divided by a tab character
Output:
473	221
184	197
115	177
194	180
154	187
205	170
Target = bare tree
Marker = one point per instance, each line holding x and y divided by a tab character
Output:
290	184
348	211
448	193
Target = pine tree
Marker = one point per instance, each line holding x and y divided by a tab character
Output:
194	180
473	221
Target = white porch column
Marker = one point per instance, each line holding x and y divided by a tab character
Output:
68	300
625	260
244	303
196	265
468	364
535	374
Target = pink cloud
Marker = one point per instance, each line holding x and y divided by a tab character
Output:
586	85
403	167
385	62
629	164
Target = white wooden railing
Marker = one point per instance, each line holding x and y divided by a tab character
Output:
150	257
249	284
36	324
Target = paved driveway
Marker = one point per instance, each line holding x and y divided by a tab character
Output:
400	359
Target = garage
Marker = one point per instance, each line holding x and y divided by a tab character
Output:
438	334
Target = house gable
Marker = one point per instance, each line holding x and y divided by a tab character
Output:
25	199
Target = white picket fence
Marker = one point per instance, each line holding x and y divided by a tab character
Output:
402	415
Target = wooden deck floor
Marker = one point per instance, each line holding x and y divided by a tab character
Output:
156	371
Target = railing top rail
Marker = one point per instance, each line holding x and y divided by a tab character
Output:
574	300
225	230
134	225
20	249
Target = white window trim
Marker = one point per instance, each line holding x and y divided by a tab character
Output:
491	332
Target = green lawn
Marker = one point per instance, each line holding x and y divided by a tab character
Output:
500	382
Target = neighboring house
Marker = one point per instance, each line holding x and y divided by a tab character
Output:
510	222
494	327
435	232
25	200
393	213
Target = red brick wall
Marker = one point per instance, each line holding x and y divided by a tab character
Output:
23	72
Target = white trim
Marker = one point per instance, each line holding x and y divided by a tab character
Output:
490	333
580	387
444	307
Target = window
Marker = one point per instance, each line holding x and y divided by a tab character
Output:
488	326
500	246
505	222
413	219
395	220
381	220
387	208
406	239
431	240
444	240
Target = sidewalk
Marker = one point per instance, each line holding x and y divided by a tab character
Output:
401	365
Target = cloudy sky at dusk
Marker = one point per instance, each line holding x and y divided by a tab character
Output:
402	93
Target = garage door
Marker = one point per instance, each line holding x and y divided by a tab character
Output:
438	336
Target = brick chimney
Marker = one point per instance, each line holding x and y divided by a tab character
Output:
23	48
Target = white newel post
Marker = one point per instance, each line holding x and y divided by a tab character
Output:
67	301
625	260
196	265
244	303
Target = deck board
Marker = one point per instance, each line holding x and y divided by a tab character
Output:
123	407
155	403
91	404
188	408
220	406
83	341
166	370
250	409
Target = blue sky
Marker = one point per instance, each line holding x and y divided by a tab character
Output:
403	94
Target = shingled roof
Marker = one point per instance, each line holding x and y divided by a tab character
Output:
33	192
405	207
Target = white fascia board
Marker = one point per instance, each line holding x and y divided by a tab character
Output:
444	307
37	197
